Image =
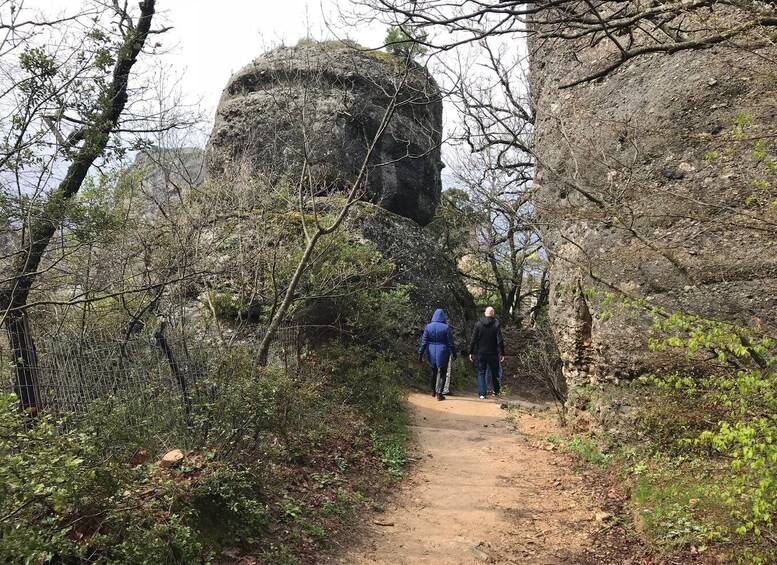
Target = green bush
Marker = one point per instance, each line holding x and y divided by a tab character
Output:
230	499
86	488
667	416
63	501
406	42
241	404
745	398
586	449
372	383
365	379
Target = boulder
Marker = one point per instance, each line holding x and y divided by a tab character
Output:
434	281
339	94
310	113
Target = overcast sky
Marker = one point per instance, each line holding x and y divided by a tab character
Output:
211	39
209	44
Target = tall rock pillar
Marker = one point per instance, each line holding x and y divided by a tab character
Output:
657	182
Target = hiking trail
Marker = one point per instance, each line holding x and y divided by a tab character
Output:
485	488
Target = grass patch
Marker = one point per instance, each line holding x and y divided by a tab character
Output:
677	504
677	492
586	449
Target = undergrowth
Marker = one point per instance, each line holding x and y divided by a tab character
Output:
275	465
695	447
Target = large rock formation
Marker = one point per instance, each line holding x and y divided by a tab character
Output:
434	281
652	184
311	112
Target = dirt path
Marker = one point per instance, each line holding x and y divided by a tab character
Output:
484	489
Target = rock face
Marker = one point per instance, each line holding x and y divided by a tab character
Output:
307	116
652	184
310	113
435	282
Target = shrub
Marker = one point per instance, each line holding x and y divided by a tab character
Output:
62	500
365	379
745	397
241	405
405	41
77	490
541	362
372	383
667	416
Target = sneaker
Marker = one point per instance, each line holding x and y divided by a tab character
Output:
494	394
434	393
481	397
440	397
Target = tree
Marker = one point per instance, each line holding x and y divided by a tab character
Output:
67	103
488	228
400	41
632	29
590	41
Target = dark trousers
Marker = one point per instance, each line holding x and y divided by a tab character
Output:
492	362
437	377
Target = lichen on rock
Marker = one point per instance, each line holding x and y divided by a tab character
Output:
434	281
311	113
650	185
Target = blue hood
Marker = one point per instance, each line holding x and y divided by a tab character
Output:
439	316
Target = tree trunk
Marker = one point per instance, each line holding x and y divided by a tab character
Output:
94	138
175	369
25	361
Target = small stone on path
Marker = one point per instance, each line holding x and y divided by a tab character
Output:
480	554
382	523
602	516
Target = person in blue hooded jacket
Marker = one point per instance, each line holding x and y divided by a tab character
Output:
437	342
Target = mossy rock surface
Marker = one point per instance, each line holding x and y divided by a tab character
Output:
312	111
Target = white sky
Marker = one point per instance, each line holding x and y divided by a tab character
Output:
211	39
210	43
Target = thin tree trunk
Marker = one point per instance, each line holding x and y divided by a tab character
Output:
175	370
542	298
264	345
94	138
25	361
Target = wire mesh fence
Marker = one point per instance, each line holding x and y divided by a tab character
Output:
151	381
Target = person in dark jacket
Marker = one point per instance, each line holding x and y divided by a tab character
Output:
437	342
488	346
